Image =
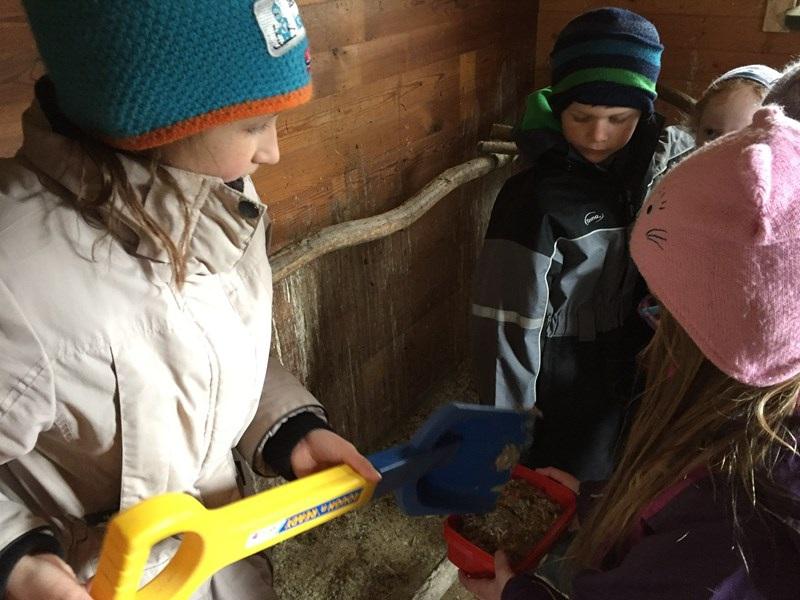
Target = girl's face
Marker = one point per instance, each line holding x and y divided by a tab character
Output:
597	132
228	151
727	111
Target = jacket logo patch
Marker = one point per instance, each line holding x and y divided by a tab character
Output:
593	217
280	25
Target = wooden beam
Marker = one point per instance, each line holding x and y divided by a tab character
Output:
343	235
501	132
495	147
683	102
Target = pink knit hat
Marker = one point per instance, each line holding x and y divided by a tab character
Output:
718	242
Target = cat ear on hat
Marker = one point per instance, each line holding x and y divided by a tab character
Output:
757	173
769	168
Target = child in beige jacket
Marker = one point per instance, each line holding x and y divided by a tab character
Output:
135	286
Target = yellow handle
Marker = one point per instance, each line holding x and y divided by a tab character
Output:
213	539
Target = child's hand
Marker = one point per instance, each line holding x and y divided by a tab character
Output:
322	448
561	477
490	589
44	577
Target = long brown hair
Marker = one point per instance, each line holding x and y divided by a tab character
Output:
691	416
100	210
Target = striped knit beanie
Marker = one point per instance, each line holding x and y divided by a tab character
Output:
608	57
140	74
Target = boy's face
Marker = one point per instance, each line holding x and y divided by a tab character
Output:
597	132
228	151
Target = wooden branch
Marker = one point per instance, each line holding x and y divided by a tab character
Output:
501	132
496	147
344	235
680	100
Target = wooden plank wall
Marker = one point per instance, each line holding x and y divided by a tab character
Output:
19	68
702	39
403	90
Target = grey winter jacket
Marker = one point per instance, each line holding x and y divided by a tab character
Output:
555	261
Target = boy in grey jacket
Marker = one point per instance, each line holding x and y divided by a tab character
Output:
554	294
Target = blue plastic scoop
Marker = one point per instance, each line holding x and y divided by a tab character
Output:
456	462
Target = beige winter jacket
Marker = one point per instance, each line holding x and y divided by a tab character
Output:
114	384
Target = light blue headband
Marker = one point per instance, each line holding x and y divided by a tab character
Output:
761	74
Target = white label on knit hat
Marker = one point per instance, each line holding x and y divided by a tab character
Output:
280	24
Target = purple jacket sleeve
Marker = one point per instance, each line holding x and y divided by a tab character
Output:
681	562
688	551
692	562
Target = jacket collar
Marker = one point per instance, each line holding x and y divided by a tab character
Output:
629	164
222	220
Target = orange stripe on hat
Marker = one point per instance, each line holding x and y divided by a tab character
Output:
228	114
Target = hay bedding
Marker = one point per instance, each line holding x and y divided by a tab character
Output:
522	517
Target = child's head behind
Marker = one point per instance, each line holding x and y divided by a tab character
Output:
729	102
604	67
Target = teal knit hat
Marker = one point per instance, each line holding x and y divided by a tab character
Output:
142	73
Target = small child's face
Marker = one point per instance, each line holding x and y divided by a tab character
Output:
727	111
228	151
597	132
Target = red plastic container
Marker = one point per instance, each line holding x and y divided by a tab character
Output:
476	562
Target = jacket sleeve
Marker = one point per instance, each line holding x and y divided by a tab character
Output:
691	563
27	407
674	144
33	542
509	304
282	398
684	563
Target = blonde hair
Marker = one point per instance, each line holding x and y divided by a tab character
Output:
691	416
725	86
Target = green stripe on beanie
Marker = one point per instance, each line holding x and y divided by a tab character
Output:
620	76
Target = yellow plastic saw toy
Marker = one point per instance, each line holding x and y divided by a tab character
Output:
455	463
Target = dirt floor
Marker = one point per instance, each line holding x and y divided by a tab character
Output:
375	552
